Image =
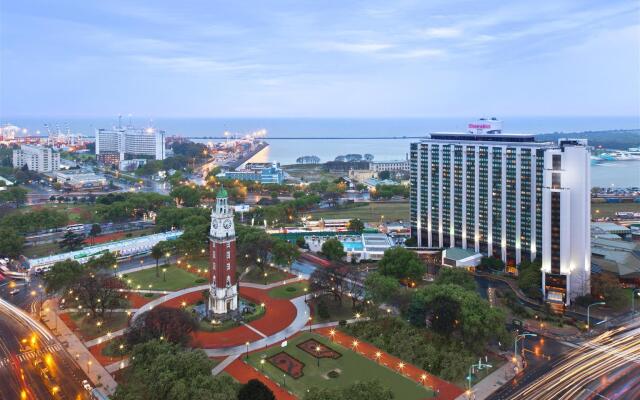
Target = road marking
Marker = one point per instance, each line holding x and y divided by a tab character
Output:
254	329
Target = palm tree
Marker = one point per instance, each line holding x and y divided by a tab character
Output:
156	253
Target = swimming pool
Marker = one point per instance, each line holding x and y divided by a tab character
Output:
352	245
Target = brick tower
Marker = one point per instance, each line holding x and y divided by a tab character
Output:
223	289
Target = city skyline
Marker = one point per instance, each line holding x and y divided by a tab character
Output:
299	60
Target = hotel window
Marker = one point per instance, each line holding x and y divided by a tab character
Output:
557	161
555	180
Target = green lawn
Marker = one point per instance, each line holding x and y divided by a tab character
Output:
368	212
337	311
352	368
255	275
41	250
173	279
78	213
289	291
89	328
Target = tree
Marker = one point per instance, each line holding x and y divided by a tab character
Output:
186	196
371	390
384	175
402	264
96	289
606	287
284	253
255	390
96	229
333	249
456	276
72	241
15	194
253	246
445	313
380	288
156	252
164	371
329	280
356	225
300	242
530	279
491	263
172	324
10	242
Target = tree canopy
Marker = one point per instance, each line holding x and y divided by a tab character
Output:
456	276
356	225
402	264
380	288
10	242
370	390
333	249
172	324
255	390
163	371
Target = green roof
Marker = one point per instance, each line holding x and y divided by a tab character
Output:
222	192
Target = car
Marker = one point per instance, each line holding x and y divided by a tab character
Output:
15	291
86	385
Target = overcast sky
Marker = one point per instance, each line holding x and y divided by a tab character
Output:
319	58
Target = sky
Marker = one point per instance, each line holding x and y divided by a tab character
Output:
333	58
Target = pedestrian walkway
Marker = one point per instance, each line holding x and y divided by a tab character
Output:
105	338
83	357
490	383
271	285
243	373
446	390
223	364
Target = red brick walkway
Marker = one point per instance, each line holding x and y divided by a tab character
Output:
279	313
243	373
448	391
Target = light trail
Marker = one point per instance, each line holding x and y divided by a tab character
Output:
23	317
589	362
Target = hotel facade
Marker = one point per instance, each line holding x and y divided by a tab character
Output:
115	145
510	197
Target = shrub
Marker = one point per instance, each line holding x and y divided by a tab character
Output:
333	374
201	280
323	310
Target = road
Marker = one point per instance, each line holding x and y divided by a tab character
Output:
19	374
606	367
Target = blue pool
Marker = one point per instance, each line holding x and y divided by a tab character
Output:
303	266
352	246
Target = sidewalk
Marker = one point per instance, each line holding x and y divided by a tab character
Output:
490	383
85	360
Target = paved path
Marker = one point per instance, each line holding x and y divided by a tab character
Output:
96	372
271	285
224	364
490	383
105	338
243	373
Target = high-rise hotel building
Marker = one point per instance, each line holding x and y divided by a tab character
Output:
510	197
115	145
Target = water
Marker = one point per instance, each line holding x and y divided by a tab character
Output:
287	150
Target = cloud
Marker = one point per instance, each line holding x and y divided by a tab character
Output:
418	53
352	47
440	33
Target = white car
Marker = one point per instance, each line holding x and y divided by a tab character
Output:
86	385
14	291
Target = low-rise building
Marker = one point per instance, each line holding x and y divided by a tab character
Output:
394	165
361	175
463	258
618	257
78	180
36	158
259	173
607	230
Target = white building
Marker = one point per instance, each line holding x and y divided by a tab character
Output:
509	197
394	165
36	158
113	145
79	180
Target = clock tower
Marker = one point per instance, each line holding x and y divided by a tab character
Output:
223	288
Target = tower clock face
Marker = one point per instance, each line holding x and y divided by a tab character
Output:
227	224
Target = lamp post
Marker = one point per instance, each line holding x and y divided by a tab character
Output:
478	367
164	274
633	300
600	303
318	355
247	356
310	324
262	364
515	345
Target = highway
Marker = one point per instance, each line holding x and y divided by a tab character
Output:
605	367
33	364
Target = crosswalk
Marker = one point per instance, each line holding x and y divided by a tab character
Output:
31	355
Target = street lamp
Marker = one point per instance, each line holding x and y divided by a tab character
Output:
600	303
515	345
318	355
164	274
310	323
262	364
247	356
633	300
480	366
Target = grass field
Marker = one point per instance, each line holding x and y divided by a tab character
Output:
41	250
602	210
78	213
310	172
255	275
337	311
289	291
368	212
90	329
351	366
173	279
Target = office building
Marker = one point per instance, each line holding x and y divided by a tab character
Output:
36	158
77	180
510	197
263	173
395	165
118	144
